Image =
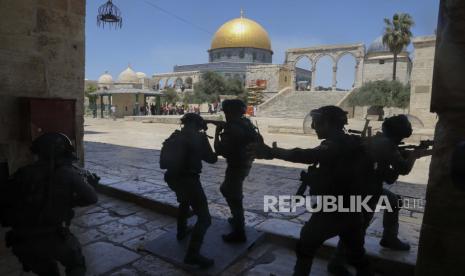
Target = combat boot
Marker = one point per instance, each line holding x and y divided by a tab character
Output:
236	236
198	260
394	243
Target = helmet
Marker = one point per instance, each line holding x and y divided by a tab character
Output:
52	145
193	118
397	126
332	114
233	106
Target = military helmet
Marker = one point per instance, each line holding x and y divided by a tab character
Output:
330	113
234	105
53	144
193	118
397	126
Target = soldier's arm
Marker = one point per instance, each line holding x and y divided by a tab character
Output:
84	193
402	164
298	155
207	152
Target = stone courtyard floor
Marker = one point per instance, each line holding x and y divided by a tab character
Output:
113	233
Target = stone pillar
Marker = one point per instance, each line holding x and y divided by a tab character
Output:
102	106
293	78
312	86
442	237
334	77
357	69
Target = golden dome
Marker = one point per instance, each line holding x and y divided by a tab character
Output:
241	32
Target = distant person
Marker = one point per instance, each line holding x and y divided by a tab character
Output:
182	155
113	112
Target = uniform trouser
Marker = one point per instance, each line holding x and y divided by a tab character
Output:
390	222
40	254
323	226
232	192
190	194
391	219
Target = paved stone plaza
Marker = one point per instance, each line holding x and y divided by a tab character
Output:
113	233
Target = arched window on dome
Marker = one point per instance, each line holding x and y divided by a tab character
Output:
254	56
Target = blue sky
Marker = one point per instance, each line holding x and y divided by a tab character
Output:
153	41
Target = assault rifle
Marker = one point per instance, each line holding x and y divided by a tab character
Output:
92	178
215	122
426	145
366	132
306	180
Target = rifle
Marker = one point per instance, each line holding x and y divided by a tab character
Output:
92	178
427	145
306	180
366	132
215	122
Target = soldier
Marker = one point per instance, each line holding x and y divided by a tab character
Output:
389	163
231	141
339	159
41	197
182	155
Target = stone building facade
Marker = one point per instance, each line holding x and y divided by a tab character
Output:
378	64
42	56
421	80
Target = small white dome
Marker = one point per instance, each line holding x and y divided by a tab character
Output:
105	78
127	76
140	75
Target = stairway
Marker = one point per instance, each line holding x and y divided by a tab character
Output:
297	104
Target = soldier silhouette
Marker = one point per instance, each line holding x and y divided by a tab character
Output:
38	206
182	155
231	141
389	162
340	161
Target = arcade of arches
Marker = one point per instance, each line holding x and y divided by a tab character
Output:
335	52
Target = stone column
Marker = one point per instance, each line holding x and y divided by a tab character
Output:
442	238
334	78
102	106
357	68
293	78
312	85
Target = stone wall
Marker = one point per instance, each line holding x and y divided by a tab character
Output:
42	55
442	236
277	76
421	80
373	70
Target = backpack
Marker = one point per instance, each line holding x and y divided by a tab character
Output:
173	155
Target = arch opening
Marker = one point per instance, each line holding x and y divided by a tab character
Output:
303	74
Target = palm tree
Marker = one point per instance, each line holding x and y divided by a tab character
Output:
397	35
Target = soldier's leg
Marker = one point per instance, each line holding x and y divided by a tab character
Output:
199	204
35	256
391	224
176	184
318	229
232	191
67	250
353	237
183	215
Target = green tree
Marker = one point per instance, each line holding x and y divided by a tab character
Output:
397	35
92	98
381	93
171	96
212	85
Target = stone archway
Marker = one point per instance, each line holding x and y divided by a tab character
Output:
335	52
